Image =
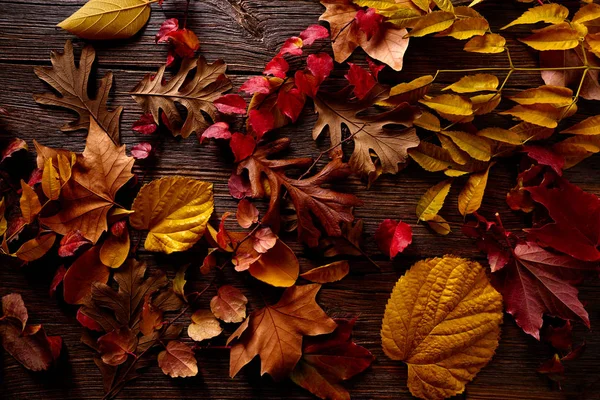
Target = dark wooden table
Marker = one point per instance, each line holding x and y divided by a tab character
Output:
246	34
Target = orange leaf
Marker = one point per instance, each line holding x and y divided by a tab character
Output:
328	273
84	272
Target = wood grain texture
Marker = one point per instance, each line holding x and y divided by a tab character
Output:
246	34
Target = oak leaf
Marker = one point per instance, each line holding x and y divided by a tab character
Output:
72	83
197	94
177	360
175	211
446	352
275	332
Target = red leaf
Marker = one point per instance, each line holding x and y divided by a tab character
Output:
166	28
238	186
545	156
320	65
306	83
58	278
70	243
369	22
261	121
141	150
291	46
231	104
256	84
85	271
361	79
290	103
13	146
552	367
219	130
242	145
185	43
393	237
118	228
117	345
88	322
145	125
561	338
35	178
277	67
223	239
374	67
312	33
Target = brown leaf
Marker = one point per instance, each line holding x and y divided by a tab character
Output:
275	332
30	203
197	95
178	360
35	248
152	317
204	326
117	345
32	348
247	214
72	83
347	244
80	277
328	273
14	307
229	304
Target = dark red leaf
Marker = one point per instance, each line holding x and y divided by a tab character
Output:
219	130
166	28
261	122
88	322
57	280
35	178
545	156
185	42
320	65
145	125
231	104
118	228
70	243
223	239
361	79
306	83
242	145
290	103
374	67
561	338
369	22
117	345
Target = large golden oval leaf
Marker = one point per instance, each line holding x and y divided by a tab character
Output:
443	320
175	211
101	19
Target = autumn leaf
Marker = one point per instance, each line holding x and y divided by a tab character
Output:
554	37
275	332
247	214
72	82
432	201
178	220
433	22
81	276
328	273
197	94
549	60
393	237
589	126
204	326
449	104
29	202
349	243
15	145
229	305
489	43
115	249
409	92
471	196
117	345
550	13
442	355
558	96
35	248
474	83
177	360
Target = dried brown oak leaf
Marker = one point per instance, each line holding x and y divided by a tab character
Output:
310	200
196	94
370	133
275	332
72	83
100	171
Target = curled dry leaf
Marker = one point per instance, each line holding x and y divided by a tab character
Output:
12	147
204	326
463	336
177	360
328	273
229	305
175	211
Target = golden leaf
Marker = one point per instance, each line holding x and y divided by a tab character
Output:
485	103
29	203
422	4
428	121
403	18
593	41
527	131
439	225
431	158
332	272
544	115
443	320
477	147
102	19
35	248
3	222
587	13
474	83
204	326
489	43
589	126
466	28
65	167
501	135
470	197
550	13
114	250
432	201
458	156
436	21
175	211
554	37
50	181
409	92
444	5
558	96
449	104
577	148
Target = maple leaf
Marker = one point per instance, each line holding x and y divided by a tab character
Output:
275	332
100	171
197	95
72	83
442	354
329	359
371	133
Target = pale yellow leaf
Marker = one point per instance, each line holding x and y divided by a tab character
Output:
489	43
589	126
108	19
432	201
470	197
50	181
436	21
328	273
501	135
556	95
550	13
554	37
449	104
527	131
477	147
474	83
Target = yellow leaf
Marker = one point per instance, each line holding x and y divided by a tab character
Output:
550	13
466	28
470	197
458	155
175	211
430	157
439	225
428	121
402	18
65	166
3	222
204	326
577	148
463	11
114	250
432	201
477	147
422	4
489	43
433	22
409	92
474	83
102	19
558	96
527	131
589	126
444	5
449	104
277	267
29	202
50	181
555	37
587	13
501	135
540	114
593	41
443	320
35	248
485	103
332	272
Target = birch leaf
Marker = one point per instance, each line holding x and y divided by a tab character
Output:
470	197
550	13
432	201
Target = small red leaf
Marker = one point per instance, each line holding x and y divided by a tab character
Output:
361	79
145	125
312	33
231	104
256	84
374	67
277	67
369	22
141	150
219	130
166	28
88	322
545	156
70	243
393	237
307	83
242	146
290	103
238	186
261	121
291	46
320	65
13	146
58	278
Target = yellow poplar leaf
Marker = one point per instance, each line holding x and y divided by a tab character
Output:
466	28
470	197
444	5
558	96
501	135
105	19
449	104
332	272
175	211
489	43
114	250
485	103
550	13
432	201
29	202
587	13
443	320
439	225
554	37
540	114
409	92
477	147
474	83
430	157
50	181
204	326
35	248
428	121
589	126
457	155
436	21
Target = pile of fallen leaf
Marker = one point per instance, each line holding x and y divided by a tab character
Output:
443	318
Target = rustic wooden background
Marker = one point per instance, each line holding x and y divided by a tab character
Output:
246	34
